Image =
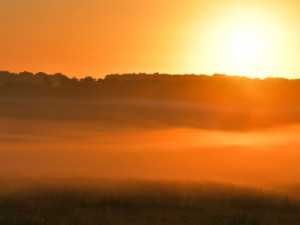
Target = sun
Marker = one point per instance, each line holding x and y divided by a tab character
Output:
247	50
246	45
243	49
243	40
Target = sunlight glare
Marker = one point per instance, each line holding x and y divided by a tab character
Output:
240	42
246	45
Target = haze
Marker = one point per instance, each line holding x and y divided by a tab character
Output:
64	149
79	38
138	112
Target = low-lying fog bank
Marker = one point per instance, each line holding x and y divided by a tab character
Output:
41	148
145	113
139	139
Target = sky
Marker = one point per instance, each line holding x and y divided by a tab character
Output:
98	37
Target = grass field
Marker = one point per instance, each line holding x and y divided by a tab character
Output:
143	202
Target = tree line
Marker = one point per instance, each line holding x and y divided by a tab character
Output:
218	88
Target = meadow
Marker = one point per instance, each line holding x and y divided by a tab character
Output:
167	159
139	202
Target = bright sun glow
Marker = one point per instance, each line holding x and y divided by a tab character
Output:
246	51
242	40
246	45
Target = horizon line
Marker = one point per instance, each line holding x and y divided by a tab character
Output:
154	73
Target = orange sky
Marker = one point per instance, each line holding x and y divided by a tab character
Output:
98	37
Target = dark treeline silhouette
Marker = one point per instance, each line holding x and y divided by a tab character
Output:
152	100
218	88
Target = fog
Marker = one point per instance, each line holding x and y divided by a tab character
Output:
44	148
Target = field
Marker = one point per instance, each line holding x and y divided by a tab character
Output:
142	202
164	162
128	112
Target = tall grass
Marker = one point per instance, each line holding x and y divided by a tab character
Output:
141	203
